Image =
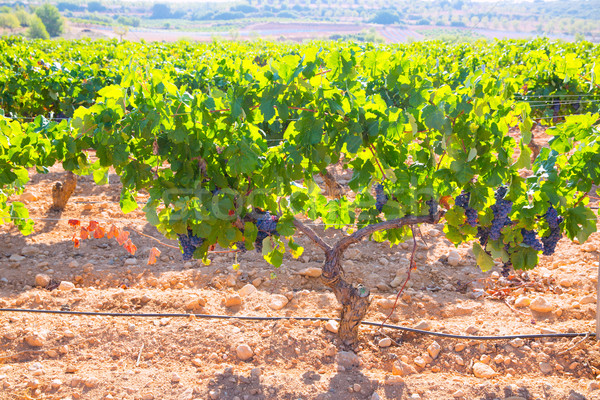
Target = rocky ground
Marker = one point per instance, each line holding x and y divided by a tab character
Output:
92	357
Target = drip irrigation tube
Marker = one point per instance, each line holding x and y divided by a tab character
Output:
250	318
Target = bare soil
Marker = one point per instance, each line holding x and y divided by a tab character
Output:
90	357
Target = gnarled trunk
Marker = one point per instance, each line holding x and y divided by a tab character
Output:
334	189
353	298
62	191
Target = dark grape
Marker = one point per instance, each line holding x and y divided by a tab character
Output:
556	107
501	210
267	226
483	234
462	200
380	197
506	269
549	242
189	243
433	207
530	239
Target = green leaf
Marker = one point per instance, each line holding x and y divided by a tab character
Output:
127	202
111	92
580	223
484	260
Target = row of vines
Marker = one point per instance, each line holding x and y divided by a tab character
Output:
227	139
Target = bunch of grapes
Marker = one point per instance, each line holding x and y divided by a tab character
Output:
463	201
530	239
380	197
189	243
483	235
267	226
552	239
501	210
433	208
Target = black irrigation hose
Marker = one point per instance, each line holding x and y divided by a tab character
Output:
247	318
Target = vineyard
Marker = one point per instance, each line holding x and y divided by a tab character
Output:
433	188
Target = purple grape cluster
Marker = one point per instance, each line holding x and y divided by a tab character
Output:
189	243
483	234
530	239
462	200
380	197
433	208
549	242
501	210
267	226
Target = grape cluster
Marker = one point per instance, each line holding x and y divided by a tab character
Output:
501	210
267	226
380	197
462	200
552	239
483	235
433	208
189	243
530	239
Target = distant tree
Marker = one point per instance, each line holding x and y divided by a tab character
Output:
385	17
228	15
161	11
23	17
9	21
37	29
96	6
64	6
51	19
244	8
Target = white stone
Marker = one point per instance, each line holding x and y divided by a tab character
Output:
247	290
546	368
29	251
42	280
332	326
347	359
434	349
589	247
423	325
540	304
385	342
175	377
420	362
517	342
16	258
311	272
244	352
482	370
66	286
587	300
454	258
278	301
234	300
131	261
522	301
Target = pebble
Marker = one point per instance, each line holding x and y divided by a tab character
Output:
587	300
589	247
420	362
175	378
460	347
375	396
482	370
565	282
278	301
546	368
522	301
518	342
233	300
198	362
311	272
540	304
16	258
385	342
36	339
131	261
42	280
485	358
434	349
247	290
29	251
471	330
398	281
593	386
56	384
402	368
244	352
454	258
332	326
357	388
458	394
347	359
573	395
423	325
66	286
